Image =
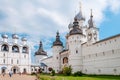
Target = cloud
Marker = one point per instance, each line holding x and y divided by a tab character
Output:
40	19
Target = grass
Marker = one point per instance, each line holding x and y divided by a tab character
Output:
85	77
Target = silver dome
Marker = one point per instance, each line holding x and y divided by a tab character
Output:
4	36
79	16
70	25
24	39
15	36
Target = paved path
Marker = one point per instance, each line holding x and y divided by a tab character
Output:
17	77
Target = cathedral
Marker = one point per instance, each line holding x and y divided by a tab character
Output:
83	50
15	55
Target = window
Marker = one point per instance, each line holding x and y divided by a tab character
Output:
113	51
12	61
96	54
89	56
24	70
76	51
115	70
99	70
104	53
4	61
4	54
65	60
15	48
17	61
4	47
24	50
85	70
24	56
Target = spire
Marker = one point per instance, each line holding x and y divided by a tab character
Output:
90	22
91	14
57	36
57	42
80	7
40	50
41	46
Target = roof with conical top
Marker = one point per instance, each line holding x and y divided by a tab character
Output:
76	29
90	21
57	42
80	16
40	50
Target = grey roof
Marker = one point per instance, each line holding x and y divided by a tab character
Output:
4	36
15	36
90	21
40	50
70	25
79	16
24	39
57	42
76	29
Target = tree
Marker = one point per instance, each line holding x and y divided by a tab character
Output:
67	70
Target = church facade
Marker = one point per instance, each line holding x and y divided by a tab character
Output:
15	55
84	51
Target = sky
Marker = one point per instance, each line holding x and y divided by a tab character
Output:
39	20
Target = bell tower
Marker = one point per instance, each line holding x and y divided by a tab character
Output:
92	31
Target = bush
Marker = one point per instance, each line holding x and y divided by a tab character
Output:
60	72
53	72
33	73
78	73
67	70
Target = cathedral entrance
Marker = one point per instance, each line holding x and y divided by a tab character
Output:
3	70
24	71
15	69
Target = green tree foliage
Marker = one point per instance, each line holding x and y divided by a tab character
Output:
67	70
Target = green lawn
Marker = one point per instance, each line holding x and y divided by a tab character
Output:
47	77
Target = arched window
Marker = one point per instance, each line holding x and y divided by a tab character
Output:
24	50
15	48
4	47
65	60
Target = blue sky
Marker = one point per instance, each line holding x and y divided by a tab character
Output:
40	19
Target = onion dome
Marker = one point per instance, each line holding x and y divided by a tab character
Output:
76	29
4	36
40	50
24	39
57	42
70	25
90	21
15	36
79	16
